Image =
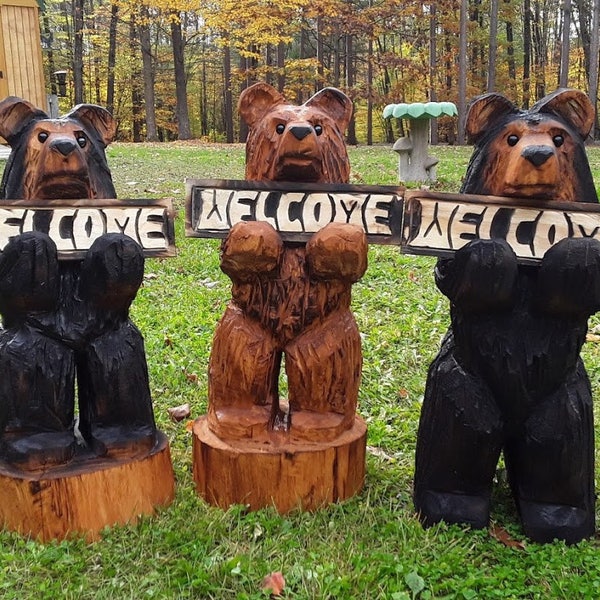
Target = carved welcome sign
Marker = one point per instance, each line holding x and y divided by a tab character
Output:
74	225
421	222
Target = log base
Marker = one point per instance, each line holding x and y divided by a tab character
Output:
85	496
281	473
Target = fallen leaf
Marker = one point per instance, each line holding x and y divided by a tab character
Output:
273	583
505	538
168	342
189	426
403	393
178	413
191	377
592	337
150	275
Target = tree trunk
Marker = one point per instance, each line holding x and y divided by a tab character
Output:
594	49
78	50
526	53
136	96
281	66
49	55
462	72
182	112
433	69
370	86
540	52
227	95
493	50
148	76
350	76
204	95
112	58
510	51
563	79
320	71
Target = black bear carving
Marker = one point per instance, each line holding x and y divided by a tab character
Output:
508	377
66	324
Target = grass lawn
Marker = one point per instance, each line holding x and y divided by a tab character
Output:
371	546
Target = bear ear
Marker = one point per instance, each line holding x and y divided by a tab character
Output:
96	118
334	103
15	115
484	111
573	106
257	100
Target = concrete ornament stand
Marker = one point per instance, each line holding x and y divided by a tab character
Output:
414	162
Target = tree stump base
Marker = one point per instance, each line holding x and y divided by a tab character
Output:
87	495
283	473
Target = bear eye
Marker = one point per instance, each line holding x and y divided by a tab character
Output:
81	140
318	129
280	128
42	136
512	140
558	140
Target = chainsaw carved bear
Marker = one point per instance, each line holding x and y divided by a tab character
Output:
289	300
68	320
508	377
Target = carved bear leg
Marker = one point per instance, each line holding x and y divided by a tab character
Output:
323	367
458	445
36	371
116	416
243	377
551	466
115	406
36	399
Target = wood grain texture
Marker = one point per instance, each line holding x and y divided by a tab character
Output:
22	51
286	475
87	496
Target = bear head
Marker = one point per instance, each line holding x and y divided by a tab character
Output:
60	158
296	143
535	153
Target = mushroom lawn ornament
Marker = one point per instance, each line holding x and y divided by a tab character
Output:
414	162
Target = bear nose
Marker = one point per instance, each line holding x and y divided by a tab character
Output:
65	147
300	131
537	155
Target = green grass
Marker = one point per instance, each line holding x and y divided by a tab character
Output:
371	546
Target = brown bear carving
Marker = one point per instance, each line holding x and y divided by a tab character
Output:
68	320
289	300
508	377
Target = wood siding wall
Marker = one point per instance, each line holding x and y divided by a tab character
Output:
21	53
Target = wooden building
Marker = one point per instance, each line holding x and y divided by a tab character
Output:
21	67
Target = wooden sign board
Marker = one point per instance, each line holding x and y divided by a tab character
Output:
421	222
295	210
74	225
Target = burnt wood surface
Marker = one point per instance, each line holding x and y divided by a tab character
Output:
508	377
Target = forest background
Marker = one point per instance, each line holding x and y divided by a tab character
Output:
173	69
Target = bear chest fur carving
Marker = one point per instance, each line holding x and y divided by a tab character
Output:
293	143
536	154
289	300
508	377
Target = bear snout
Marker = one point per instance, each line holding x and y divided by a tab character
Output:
300	131
64	146
537	155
